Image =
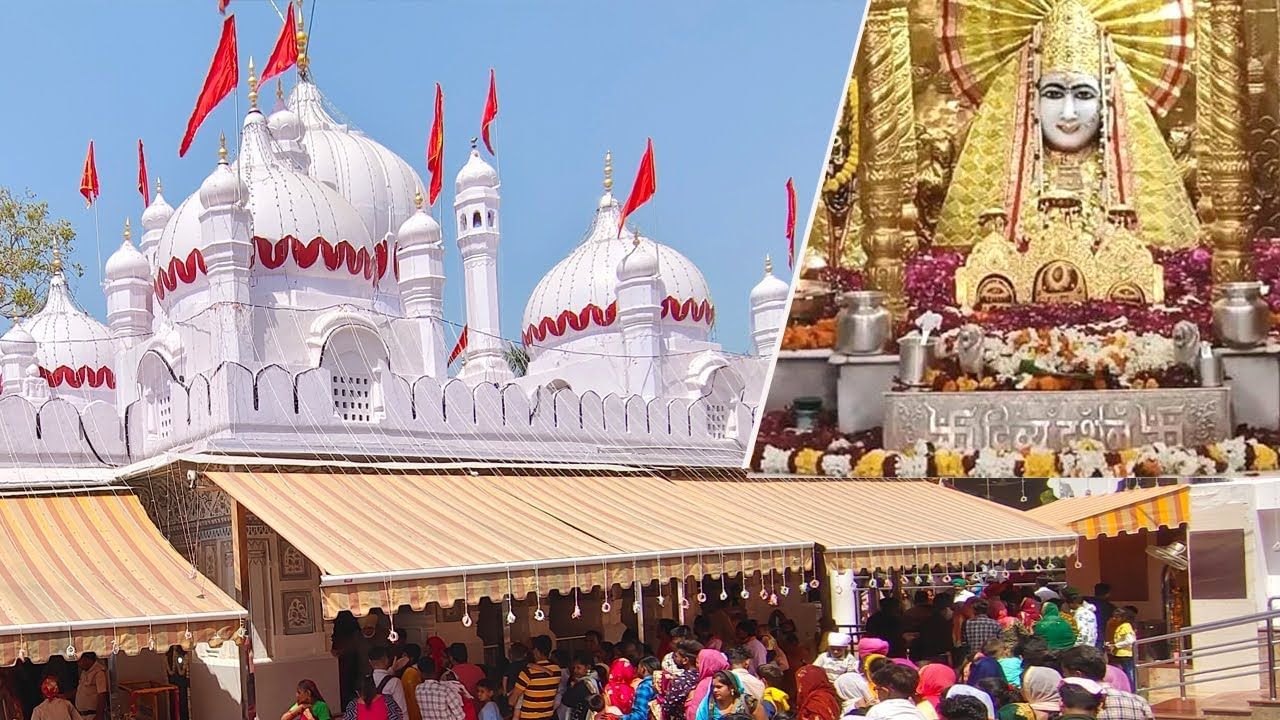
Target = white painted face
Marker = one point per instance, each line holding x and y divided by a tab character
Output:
1070	110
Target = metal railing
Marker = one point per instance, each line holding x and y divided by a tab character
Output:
1185	653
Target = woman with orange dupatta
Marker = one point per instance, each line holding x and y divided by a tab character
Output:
816	697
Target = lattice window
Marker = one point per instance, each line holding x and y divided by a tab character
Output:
164	414
351	397
717	417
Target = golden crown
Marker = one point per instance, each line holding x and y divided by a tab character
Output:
1071	40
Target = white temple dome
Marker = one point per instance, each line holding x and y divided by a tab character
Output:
17	341
577	295
222	187
476	173
378	183
639	262
67	337
283	203
285	125
770	289
157	214
127	262
419	229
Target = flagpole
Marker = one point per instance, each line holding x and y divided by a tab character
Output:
97	237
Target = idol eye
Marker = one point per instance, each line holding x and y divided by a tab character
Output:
1052	93
1086	94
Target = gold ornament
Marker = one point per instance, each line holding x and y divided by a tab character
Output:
1072	40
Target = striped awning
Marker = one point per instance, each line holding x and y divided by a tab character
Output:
89	571
387	540
1166	506
894	523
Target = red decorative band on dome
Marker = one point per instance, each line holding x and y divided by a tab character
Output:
689	309
63	375
592	314
184	271
335	257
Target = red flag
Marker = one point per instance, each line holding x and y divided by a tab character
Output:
490	111
460	347
791	222
143	186
285	54
222	6
89	178
643	188
435	153
223	75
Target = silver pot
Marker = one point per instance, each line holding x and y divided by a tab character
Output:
1241	317
864	324
915	358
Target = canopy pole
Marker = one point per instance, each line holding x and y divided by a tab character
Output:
240	559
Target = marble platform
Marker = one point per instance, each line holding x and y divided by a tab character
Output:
856	385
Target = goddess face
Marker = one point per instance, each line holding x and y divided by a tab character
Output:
1070	110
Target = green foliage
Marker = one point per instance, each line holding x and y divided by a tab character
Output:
27	240
517	358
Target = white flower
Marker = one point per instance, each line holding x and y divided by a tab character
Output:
836	465
839	444
992	463
775	460
1233	451
913	466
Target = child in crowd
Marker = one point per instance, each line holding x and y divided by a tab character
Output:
484	695
1122	642
1081	699
775	698
962	707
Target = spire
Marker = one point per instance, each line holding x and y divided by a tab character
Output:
128	232
253	86
222	149
304	62
159	188
608	171
418	200
768	264
57	258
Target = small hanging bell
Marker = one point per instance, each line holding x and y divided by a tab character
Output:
70	653
814	584
724	595
662	601
785	590
773	599
745	594
701	597
539	615
466	618
393	637
511	618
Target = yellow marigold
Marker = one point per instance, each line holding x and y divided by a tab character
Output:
1040	464
949	463
1264	457
1215	453
1129	456
807	460
870	465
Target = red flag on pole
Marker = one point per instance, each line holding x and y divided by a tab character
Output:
224	73
490	111
435	153
222	6
285	54
460	347
89	178
791	222
643	188
143	186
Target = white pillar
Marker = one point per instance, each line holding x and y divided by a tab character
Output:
476	207
640	292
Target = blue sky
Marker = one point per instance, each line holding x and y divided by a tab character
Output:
737	97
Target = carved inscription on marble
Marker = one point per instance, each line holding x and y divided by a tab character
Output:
1116	418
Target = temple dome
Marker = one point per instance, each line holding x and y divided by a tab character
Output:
283	203
67	337
475	173
379	184
127	262
769	289
577	295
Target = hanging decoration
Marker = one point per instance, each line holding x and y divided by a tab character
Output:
702	593
511	610
577	608
607	588
538	614
662	601
466	604
636	605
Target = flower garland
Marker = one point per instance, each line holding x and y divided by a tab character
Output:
1082	458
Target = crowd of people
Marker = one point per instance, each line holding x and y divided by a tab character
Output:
989	654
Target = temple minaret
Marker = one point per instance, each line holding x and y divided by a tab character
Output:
476	208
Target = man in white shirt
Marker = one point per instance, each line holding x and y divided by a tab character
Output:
93	690
739	663
384	678
895	686
1085	615
1043	592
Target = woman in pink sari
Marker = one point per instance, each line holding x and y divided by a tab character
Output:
710	662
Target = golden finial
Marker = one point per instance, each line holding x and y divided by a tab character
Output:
222	148
279	90
159	188
418	199
608	171
253	86
768	264
57	257
304	62
128	231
